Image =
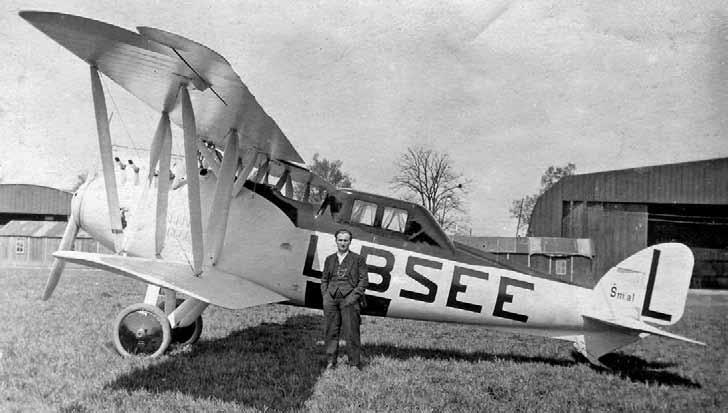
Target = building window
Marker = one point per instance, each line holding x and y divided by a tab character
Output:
394	219
19	246
560	266
363	212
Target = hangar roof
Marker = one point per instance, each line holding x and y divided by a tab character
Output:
694	183
697	182
34	199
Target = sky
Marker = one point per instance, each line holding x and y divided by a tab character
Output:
506	88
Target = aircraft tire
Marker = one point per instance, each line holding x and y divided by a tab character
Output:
141	330
183	336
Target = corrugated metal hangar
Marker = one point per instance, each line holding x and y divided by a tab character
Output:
32	220
626	210
33	203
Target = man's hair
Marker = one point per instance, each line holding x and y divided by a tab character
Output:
343	231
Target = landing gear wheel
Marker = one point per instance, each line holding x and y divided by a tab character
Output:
141	330
189	335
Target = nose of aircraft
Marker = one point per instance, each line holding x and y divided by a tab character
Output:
89	211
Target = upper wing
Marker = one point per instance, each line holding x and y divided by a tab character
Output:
153	63
213	286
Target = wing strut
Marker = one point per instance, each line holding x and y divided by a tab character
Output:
307	191
243	174
288	188
283	179
193	179
107	158
157	148
217	223
163	184
263	171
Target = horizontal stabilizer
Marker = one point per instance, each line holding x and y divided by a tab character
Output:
636	325
213	286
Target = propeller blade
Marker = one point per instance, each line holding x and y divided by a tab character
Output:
69	236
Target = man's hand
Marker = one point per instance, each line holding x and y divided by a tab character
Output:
351	299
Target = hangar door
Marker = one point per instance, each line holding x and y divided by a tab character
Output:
704	228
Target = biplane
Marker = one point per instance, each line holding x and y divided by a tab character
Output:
243	223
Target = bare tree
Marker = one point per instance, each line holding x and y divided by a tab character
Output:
428	177
521	209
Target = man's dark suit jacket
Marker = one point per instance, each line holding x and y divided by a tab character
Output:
358	274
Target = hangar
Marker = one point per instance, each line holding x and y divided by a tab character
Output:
32	220
623	211
33	203
32	243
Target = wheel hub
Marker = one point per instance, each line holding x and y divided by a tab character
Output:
140	333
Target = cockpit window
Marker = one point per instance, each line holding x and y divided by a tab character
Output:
363	212
416	233
394	219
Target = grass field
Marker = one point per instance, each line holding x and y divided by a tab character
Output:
57	356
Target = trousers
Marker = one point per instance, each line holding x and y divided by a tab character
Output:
338	312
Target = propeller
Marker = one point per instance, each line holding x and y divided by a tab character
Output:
69	236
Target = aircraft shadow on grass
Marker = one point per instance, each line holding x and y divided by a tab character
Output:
627	366
276	366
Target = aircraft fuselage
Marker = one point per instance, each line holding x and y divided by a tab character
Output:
281	244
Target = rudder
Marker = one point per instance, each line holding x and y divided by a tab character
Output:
651	285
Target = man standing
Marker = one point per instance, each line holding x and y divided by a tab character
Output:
343	282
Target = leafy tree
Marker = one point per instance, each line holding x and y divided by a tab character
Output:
331	172
521	209
428	177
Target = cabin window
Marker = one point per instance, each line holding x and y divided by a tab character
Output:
19	246
416	233
394	219
363	212
560	266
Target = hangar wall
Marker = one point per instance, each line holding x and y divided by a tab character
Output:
626	210
33	202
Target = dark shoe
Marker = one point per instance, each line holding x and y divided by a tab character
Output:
356	364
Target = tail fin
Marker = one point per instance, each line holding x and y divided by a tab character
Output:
651	285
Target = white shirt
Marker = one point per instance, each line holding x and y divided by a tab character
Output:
341	256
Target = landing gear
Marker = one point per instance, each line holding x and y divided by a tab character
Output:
141	330
183	336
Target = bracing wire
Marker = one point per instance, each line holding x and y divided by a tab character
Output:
134	146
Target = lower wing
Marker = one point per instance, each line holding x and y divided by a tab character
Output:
212	286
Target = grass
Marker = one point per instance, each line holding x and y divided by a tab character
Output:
57	356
